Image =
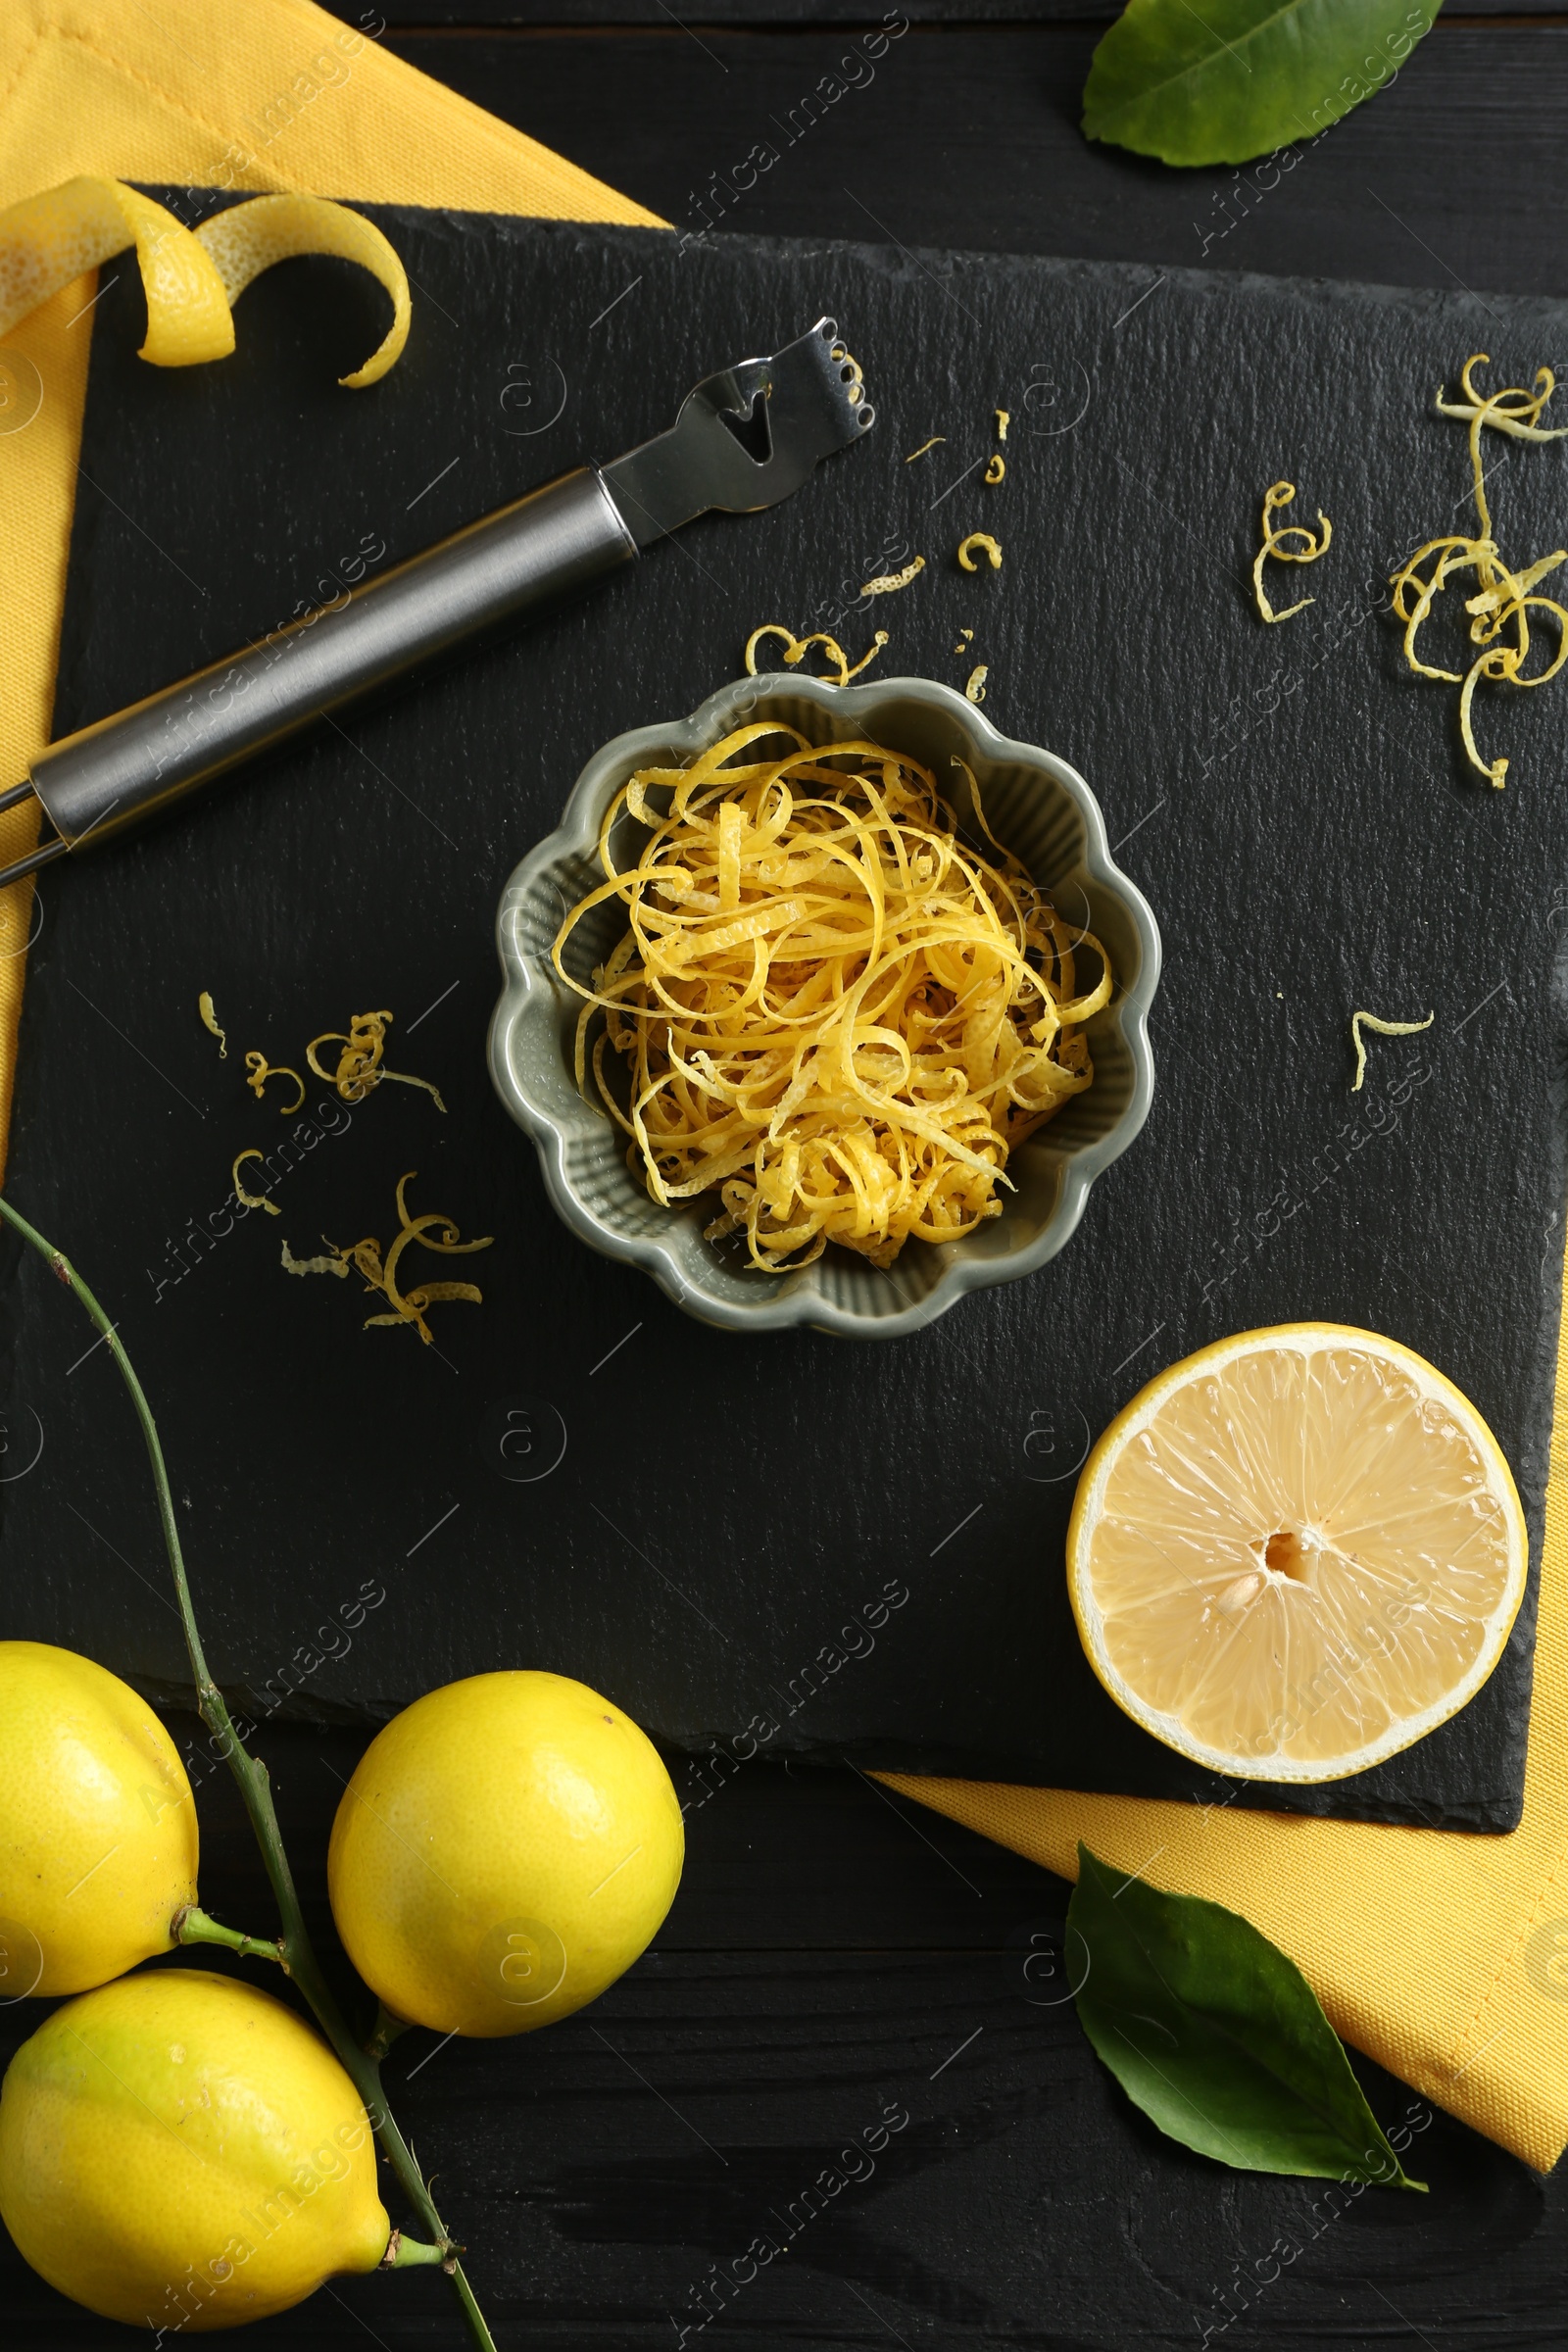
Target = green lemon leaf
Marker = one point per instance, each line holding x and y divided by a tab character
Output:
1217	2035
1235	78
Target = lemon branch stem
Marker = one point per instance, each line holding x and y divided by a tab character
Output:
194	1925
293	1946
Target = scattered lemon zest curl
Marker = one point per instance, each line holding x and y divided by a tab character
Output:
261	1070
315	1265
1003	420
209	1013
831	1011
409	1307
995	471
797	648
975	691
252	1199
1503	598
360	1067
924	446
191	277
980	539
886	582
1276	498
1370	1020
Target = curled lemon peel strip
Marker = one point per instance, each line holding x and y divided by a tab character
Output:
49	240
996	470
261	1070
1369	1020
360	1067
933	443
886	582
797	648
975	690
191	278
984	540
1003	420
209	1013
827	1007
247	238
1504	598
252	1199
332	1264
1276	498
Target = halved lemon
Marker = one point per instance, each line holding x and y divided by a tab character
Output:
1295	1553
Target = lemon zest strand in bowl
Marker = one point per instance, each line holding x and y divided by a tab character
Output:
1503	598
261	1070
206	1007
797	648
1370	1020
191	277
831	1011
252	1199
980	539
1275	497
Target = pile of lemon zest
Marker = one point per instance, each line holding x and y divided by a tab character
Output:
205	1006
261	1070
252	1199
975	691
333	1264
360	1067
924	446
1003	420
995	471
1503	596
1277	497
887	581
191	278
830	1010
980	539
1384	1029
797	648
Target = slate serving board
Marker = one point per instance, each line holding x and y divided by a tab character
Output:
792	1545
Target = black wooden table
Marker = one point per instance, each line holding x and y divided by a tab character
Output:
836	1956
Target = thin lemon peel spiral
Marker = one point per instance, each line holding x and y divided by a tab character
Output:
1276	498
831	1011
1504	598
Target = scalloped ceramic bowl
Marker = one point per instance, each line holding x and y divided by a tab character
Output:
1044	812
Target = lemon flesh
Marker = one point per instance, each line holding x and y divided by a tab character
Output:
506	1849
180	2151
1295	1553
98	1841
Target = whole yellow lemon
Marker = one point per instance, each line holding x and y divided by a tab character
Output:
506	1848
178	2150
98	1841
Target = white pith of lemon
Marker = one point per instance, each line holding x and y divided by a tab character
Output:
1295	1553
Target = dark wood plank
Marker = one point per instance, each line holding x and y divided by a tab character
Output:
970	137
837	1961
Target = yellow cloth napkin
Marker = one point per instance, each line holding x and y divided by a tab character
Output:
1443	1956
